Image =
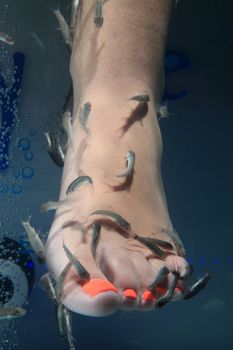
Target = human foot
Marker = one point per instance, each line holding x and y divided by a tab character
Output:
118	268
126	271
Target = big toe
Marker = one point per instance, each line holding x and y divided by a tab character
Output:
97	297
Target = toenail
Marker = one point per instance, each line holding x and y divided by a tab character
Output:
148	296
178	289
97	286
130	294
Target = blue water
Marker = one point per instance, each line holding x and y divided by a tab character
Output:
197	172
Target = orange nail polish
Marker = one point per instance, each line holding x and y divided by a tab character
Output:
130	293
148	296
97	286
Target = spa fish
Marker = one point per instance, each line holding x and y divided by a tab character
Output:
66	123
98	18
78	182
198	286
68	327
60	319
46	284
116	217
84	115
51	205
60	281
63	316
140	98
9	312
6	39
163	300
65	30
35	241
80	269
163	111
164	271
151	244
55	149
96	228
130	164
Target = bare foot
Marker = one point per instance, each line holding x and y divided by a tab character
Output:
116	221
124	271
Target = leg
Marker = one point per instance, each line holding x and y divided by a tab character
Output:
109	65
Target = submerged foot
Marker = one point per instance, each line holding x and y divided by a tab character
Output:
112	228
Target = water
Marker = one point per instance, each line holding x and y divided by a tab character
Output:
197	172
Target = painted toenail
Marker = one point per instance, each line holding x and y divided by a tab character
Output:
148	296
178	289
97	286
130	293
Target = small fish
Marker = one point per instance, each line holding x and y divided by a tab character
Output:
60	281
46	283
98	18
73	13
80	269
77	182
66	123
150	243
161	243
130	164
162	272
168	295
64	27
68	325
198	286
35	241
163	111
84	115
50	206
117	218
96	228
9	312
60	319
55	149
6	39
140	98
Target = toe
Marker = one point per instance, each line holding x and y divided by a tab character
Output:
164	280
120	270
96	286
178	264
96	298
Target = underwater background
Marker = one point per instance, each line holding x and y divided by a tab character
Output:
197	170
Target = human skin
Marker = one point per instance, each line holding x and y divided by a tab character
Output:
110	64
